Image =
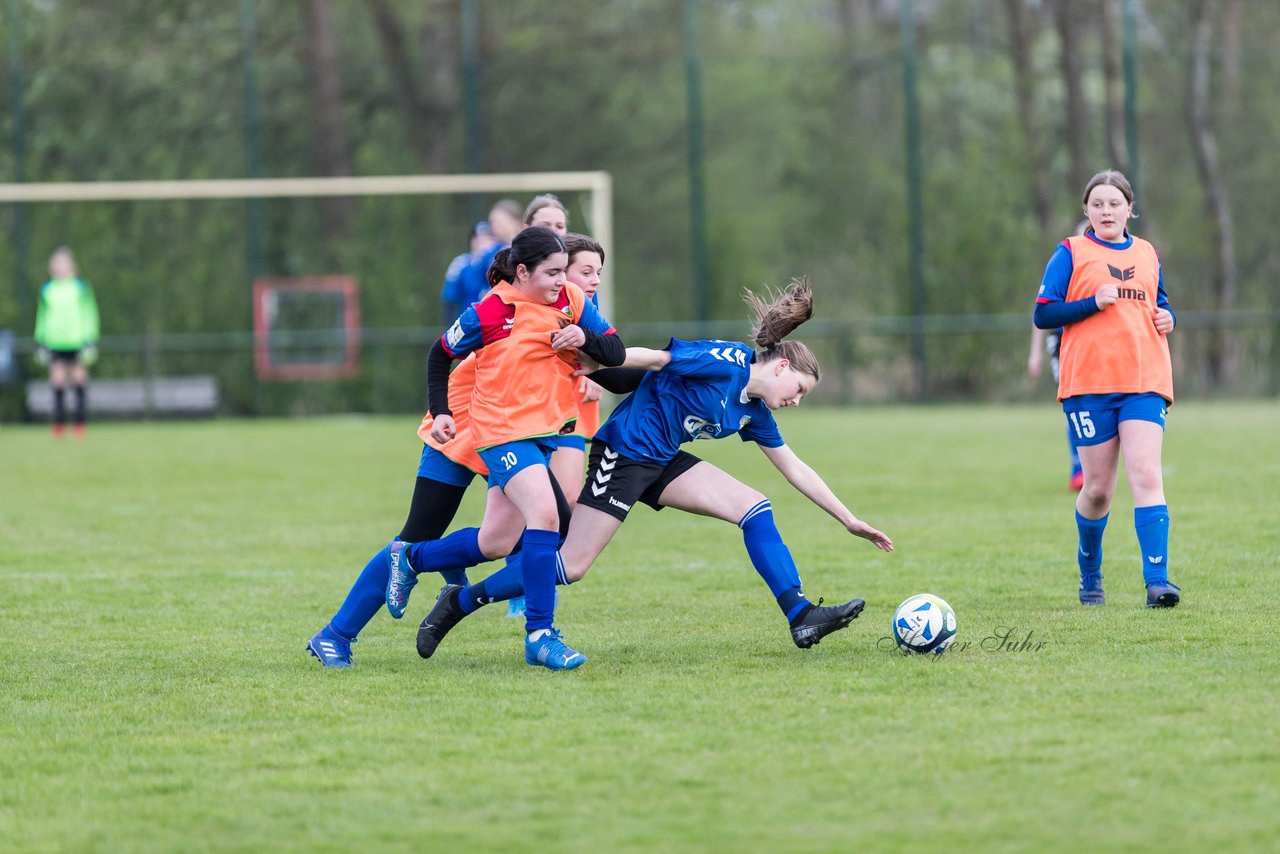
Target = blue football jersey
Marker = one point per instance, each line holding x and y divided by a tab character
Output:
700	394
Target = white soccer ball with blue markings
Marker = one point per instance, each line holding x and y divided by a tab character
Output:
924	623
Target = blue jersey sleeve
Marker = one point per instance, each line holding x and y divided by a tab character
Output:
1057	275
592	320
464	336
1162	298
762	429
708	360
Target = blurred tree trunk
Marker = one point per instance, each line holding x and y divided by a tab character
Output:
329	134
1024	102
1219	363
1068	14
1231	24
1113	81
428	100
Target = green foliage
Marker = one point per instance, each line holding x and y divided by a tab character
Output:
157	696
804	140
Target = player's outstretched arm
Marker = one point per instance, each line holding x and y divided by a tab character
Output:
810	484
646	359
642	358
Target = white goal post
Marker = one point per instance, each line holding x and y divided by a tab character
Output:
599	184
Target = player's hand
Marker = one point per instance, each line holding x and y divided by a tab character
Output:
1106	295
568	337
43	356
877	538
591	391
881	540
1164	321
1034	363
89	354
586	365
443	428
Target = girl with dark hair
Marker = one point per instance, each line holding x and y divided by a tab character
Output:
1105	288
524	334
694	390
586	260
445	470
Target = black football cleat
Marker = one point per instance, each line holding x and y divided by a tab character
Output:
442	617
1162	594
818	622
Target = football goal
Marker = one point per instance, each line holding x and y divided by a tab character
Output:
598	186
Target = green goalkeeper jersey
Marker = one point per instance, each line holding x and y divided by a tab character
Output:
67	317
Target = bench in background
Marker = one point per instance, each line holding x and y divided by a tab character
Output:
122	398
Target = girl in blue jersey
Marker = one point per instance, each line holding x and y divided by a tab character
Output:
695	390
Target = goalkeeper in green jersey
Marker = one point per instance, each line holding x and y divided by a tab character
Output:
66	337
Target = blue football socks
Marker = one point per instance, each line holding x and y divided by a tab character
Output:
368	594
1152	525
455	576
1089	555
458	550
367	597
772	559
506	583
538	564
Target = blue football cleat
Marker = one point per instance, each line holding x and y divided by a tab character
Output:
550	652
332	650
1162	594
1091	592
400	579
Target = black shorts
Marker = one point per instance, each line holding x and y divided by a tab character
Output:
64	356
615	483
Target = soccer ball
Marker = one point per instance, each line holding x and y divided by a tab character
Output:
924	624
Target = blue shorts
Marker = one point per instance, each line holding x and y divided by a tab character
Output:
569	440
1095	418
505	461
434	465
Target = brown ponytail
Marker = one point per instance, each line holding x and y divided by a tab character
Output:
776	319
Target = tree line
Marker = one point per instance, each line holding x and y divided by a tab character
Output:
801	120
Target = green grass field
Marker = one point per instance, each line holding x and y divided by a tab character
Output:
158	583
